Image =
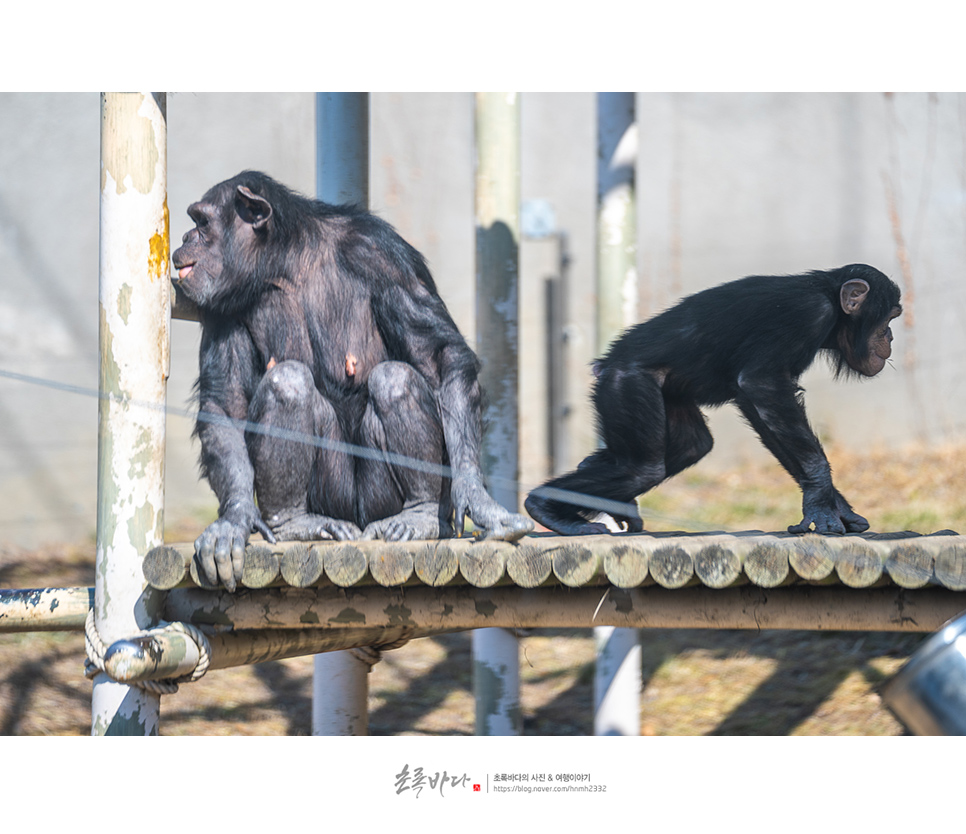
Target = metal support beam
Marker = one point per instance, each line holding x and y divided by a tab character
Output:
44	609
496	680
421	609
340	686
617	290
134	342
617	683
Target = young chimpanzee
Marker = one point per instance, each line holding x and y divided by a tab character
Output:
320	321
745	342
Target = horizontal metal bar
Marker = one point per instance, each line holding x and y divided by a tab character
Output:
803	607
45	609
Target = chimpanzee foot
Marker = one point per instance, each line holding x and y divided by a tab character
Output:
305	527
420	521
507	528
493	520
836	522
629	523
549	514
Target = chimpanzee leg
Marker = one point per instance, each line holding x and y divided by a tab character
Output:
631	412
287	401
397	501
688	437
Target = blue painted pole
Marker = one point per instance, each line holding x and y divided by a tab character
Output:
340	687
617	681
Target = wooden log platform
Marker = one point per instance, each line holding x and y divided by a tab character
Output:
623	560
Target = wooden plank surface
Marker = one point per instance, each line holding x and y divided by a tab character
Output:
625	560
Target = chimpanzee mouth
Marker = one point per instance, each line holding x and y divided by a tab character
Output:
184	271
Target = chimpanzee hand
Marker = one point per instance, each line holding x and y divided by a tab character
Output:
470	498
220	549
837	518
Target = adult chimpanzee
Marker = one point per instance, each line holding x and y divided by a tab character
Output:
321	321
745	342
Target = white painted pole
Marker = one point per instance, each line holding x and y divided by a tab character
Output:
340	684
496	674
617	682
134	343
340	695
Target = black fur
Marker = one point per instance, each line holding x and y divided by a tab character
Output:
321	320
745	342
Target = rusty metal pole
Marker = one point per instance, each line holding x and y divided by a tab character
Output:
340	683
496	672
617	681
134	354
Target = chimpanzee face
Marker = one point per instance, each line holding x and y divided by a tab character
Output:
218	259
200	258
879	348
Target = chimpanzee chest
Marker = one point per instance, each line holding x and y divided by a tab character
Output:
338	340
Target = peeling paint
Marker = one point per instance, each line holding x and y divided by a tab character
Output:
132	724
348	615
124	302
129	145
495	714
143	455
141	527
622	601
158	252
399	614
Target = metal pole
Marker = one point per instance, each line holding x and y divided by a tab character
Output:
617	290
496	681
340	683
134	355
617	682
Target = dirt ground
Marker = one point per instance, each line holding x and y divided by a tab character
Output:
695	682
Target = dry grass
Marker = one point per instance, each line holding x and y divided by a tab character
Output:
695	682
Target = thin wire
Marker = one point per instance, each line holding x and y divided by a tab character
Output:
590	502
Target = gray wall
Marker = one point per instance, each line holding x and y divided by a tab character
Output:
728	185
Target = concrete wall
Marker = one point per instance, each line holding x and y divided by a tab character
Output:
728	185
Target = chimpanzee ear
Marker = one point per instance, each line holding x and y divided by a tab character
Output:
251	208
853	295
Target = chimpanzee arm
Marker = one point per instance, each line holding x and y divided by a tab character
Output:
417	328
776	410
460	408
222	409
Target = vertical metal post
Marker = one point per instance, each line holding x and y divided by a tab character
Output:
134	294
617	290
558	409
342	148
340	683
496	680
617	681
